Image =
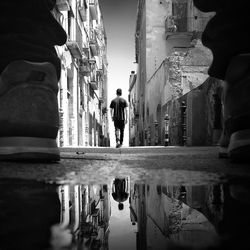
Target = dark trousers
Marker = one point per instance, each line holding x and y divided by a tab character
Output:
119	130
227	33
28	31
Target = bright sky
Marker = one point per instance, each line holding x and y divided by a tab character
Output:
121	228
119	20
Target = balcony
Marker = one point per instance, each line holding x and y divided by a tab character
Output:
92	61
184	27
74	43
93	43
104	110
85	50
93	9
84	68
93	84
99	64
83	13
62	5
74	49
93	81
176	28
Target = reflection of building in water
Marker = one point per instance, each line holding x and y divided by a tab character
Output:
85	210
120	190
138	214
176	213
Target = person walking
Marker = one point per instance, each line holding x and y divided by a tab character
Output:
119	114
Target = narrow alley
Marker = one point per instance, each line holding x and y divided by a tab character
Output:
135	173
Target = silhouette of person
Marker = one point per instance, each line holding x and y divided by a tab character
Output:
120	191
119	114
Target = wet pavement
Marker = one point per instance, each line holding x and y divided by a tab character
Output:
129	198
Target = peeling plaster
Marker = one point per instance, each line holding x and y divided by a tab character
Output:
188	69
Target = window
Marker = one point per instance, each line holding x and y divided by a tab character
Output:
179	12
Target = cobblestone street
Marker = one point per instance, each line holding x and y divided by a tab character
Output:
166	164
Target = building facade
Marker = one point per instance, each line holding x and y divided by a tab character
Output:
85	211
172	216
171	63
82	94
137	108
132	104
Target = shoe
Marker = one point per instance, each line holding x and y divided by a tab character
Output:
29	118
236	103
118	145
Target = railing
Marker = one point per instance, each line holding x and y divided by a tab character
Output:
185	24
75	37
92	37
93	43
85	67
92	2
93	77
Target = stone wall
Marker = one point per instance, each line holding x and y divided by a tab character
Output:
203	115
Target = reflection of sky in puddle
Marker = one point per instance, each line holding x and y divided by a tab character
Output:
153	216
121	228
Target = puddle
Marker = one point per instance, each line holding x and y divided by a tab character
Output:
123	214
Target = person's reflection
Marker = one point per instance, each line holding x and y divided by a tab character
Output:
120	192
29	215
